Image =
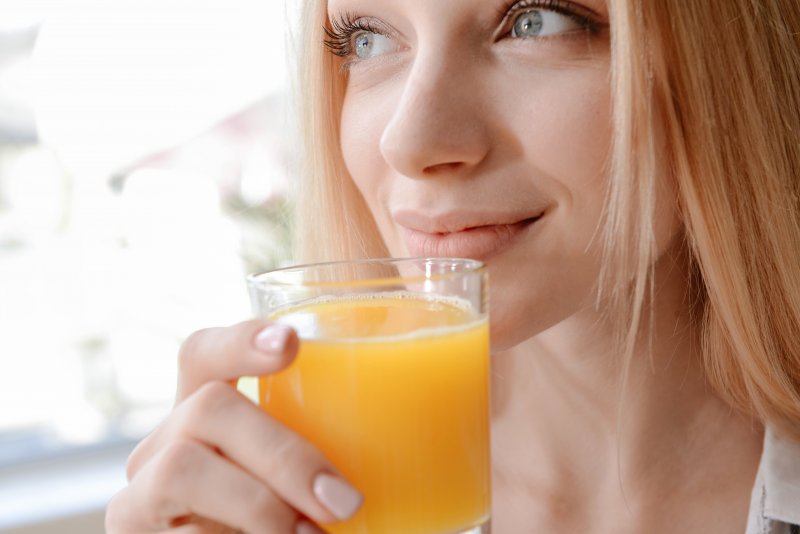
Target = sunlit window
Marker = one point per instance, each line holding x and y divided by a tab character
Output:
144	170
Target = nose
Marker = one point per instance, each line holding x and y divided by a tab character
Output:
437	126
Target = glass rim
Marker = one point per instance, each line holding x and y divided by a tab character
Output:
471	267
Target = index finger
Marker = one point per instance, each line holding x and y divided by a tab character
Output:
250	348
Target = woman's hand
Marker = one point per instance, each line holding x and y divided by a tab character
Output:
218	463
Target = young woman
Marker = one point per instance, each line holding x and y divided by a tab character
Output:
630	171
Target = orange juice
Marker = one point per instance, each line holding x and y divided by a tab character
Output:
394	390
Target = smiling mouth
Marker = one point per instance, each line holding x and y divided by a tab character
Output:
476	242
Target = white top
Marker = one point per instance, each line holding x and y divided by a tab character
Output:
775	503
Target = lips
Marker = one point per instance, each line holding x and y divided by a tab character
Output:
469	240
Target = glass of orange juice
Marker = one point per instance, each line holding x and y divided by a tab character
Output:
392	383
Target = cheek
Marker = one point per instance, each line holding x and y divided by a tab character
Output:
360	135
364	117
565	134
564	130
552	130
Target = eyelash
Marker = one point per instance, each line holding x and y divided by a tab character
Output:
582	16
340	35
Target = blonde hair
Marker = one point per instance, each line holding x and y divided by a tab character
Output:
718	82
706	92
334	221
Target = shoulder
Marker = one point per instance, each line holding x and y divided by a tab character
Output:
775	503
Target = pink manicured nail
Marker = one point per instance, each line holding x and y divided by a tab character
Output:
337	496
272	339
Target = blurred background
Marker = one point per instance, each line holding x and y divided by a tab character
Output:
146	156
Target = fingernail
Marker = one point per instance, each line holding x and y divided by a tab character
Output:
337	496
272	339
304	527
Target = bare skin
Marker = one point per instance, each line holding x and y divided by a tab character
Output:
467	139
218	463
440	120
664	455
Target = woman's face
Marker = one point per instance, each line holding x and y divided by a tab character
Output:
481	128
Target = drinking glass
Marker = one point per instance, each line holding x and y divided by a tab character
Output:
391	383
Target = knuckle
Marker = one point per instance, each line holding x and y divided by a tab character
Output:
290	456
153	513
211	397
263	504
141	454
206	412
270	512
114	518
279	456
162	489
177	458
134	462
191	347
174	461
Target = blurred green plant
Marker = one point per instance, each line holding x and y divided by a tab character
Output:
267	232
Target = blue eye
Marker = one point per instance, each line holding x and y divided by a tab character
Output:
528	24
359	38
541	23
370	44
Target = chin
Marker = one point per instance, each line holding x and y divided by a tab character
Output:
523	306
514	318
